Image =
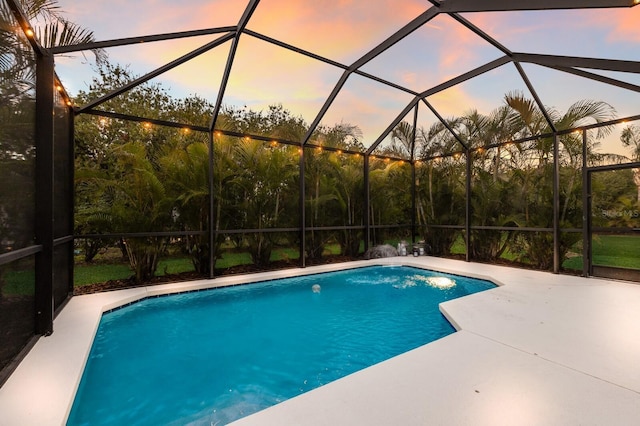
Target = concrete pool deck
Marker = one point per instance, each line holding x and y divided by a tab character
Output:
540	349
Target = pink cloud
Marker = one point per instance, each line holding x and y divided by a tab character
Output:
340	29
454	50
455	101
501	25
369	105
621	25
123	18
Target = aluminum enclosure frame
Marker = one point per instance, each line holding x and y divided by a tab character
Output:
580	66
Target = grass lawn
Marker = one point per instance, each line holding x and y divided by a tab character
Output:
608	250
85	274
611	250
459	246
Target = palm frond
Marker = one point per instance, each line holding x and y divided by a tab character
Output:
584	111
403	133
62	32
527	112
48	9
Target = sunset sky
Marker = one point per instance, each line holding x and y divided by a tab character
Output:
343	31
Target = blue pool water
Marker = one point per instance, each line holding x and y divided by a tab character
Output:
215	356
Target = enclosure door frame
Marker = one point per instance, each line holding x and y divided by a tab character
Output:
588	230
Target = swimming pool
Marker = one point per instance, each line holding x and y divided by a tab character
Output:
214	356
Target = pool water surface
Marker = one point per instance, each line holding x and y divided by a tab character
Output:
214	356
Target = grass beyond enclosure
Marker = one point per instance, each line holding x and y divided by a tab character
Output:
85	274
621	251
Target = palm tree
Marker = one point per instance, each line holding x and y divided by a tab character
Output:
266	177
534	174
51	29
630	137
319	200
390	200
441	202
328	201
135	200
186	170
348	186
402	141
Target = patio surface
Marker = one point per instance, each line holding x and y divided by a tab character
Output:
542	349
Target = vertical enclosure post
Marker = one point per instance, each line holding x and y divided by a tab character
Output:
556	205
367	204
467	216
413	174
588	252
303	212
212	230
413	202
44	192
586	210
71	123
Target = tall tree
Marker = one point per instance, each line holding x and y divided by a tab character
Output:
534	172
136	200
630	137
267	178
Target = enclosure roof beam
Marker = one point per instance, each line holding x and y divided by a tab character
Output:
203	129
466	76
137	119
403	32
597	77
246	15
603	124
388	43
534	93
386	82
326	60
430	14
453	6
137	40
294	49
611	167
393	124
544	135
445	124
580	62
486	37
21	17
223	84
158	71
325	107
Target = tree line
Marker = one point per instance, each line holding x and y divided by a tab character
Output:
134	177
